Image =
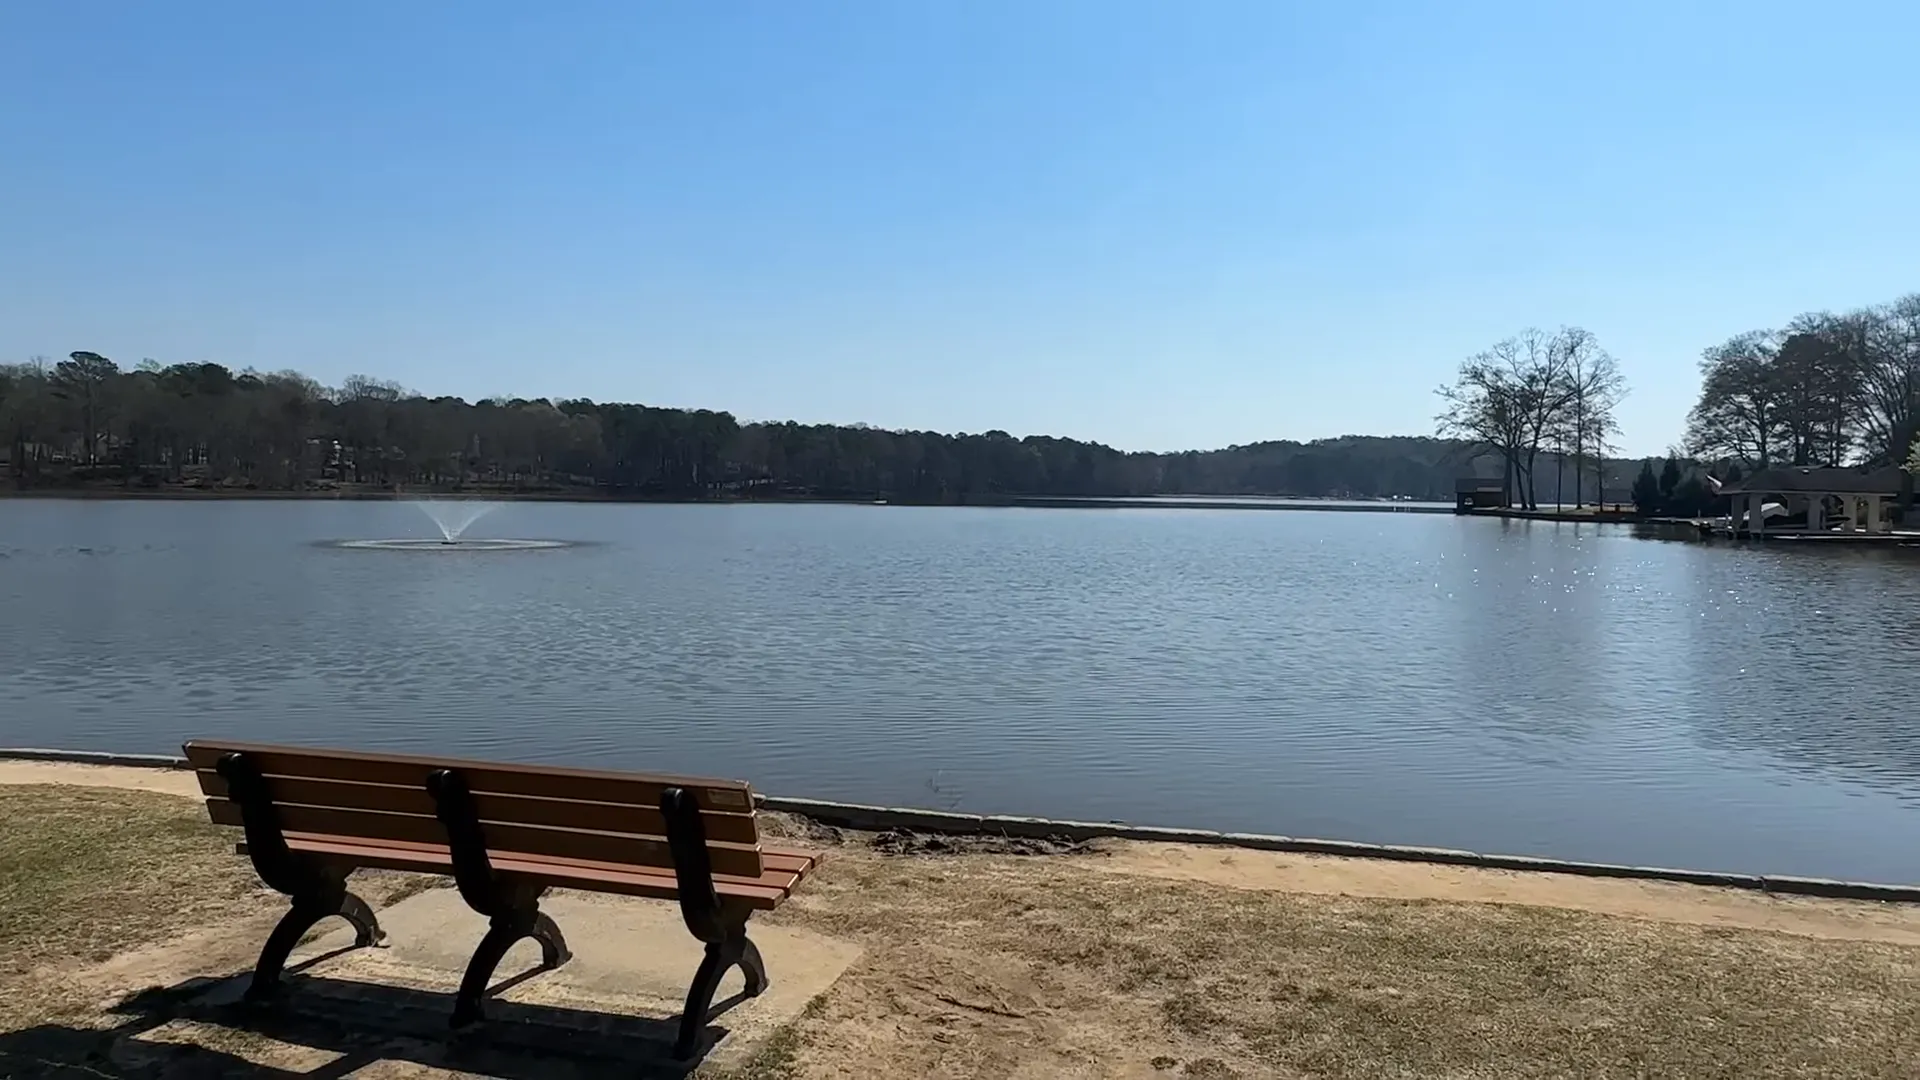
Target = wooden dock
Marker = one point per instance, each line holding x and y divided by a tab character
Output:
1381	506
1719	529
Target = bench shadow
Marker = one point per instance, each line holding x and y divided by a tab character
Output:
333	1027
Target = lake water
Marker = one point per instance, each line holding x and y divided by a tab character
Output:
1563	690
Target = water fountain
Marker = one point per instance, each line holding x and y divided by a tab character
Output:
453	517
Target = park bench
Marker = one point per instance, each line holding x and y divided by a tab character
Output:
505	834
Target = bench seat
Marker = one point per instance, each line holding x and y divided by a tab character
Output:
785	870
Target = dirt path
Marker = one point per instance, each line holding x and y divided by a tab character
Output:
1264	871
127	778
1240	868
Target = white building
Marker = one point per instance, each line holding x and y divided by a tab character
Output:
1805	499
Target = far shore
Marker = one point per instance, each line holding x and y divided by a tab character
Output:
378	494
368	493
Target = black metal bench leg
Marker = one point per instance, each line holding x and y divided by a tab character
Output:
307	911
722	955
502	932
553	946
751	966
700	999
318	889
273	956
366	926
473	986
721	924
512	907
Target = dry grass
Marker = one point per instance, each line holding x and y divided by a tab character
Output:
1049	967
776	1058
89	872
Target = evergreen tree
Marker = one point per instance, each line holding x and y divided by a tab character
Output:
1691	499
1669	479
1646	490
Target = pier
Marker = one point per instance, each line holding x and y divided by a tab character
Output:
1381	506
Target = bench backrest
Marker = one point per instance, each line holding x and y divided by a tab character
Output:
537	810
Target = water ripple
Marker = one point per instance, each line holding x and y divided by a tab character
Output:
1563	690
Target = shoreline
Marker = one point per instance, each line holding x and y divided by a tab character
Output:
1227	502
161	772
1573	517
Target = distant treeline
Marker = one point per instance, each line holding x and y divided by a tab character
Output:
85	421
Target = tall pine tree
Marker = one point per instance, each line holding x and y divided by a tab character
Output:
1646	490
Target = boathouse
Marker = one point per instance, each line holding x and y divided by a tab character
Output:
1478	493
1804	499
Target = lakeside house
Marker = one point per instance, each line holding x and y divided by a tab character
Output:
1804	499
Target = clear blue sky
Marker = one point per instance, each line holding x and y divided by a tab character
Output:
1160	225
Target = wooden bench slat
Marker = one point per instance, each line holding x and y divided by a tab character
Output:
501	839
627	882
631	881
770	851
784	870
786	876
789	863
540	781
639	820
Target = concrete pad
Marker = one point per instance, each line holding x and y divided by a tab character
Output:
619	998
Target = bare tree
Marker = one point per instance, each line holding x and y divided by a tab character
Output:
1594	389
1889	378
1805	395
1739	414
1516	359
1560	444
1516	399
1539	366
1600	428
1819	368
1480	408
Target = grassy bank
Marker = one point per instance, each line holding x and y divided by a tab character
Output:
87	873
1063	966
1129	960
